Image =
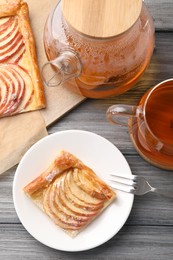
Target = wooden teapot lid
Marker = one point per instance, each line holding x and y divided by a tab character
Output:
101	18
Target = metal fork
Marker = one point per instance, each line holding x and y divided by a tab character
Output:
136	185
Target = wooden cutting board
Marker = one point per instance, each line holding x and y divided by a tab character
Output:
59	100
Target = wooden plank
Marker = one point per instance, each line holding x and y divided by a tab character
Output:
161	11
131	243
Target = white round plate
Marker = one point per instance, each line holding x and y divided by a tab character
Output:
100	155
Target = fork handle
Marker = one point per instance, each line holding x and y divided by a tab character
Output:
168	194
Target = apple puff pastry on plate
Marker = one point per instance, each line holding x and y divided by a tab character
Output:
70	193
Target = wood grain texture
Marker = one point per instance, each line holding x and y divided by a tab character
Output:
113	17
147	233
161	11
132	243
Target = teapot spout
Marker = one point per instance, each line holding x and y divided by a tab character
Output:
67	65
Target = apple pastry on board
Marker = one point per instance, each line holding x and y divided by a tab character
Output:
21	88
70	193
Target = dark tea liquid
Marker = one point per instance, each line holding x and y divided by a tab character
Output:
159	114
159	117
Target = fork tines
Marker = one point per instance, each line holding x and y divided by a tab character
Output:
123	182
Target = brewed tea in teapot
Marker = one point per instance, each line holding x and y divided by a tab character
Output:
98	48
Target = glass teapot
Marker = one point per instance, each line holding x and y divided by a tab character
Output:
98	48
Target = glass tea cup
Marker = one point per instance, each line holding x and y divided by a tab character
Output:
150	124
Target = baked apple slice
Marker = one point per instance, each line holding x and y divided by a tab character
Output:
7	36
65	210
12	87
11	40
55	210
29	90
4	92
87	186
5	23
16	90
79	198
17	85
52	215
67	194
78	193
62	195
88	176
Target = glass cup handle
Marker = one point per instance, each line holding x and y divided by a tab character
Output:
120	114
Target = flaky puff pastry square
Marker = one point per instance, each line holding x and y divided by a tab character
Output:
21	87
70	193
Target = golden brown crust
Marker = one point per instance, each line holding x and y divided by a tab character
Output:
70	193
9	7
25	64
63	162
23	15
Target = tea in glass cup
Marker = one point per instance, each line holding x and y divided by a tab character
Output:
150	124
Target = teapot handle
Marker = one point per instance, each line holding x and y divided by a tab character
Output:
67	65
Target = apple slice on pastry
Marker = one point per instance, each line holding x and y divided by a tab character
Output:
70	193
21	88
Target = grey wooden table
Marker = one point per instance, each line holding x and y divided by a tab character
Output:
148	232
